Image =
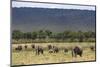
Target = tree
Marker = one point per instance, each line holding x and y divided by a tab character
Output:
89	34
67	34
48	32
17	34
41	34
29	35
34	35
80	36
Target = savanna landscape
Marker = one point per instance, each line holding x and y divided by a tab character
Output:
24	50
26	57
45	34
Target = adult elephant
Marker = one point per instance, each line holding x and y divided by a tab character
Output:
49	47
55	49
19	48
77	51
39	50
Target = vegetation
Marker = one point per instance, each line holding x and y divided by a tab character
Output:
49	36
46	37
26	57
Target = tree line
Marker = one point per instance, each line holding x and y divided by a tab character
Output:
47	36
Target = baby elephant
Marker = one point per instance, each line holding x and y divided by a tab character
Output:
92	48
33	46
25	46
77	51
65	50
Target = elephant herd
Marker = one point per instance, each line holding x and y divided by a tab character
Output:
76	50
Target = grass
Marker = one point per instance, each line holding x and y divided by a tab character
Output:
28	57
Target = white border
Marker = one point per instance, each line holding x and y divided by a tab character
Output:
5	33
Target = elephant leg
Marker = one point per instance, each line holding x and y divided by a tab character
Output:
75	54
72	54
